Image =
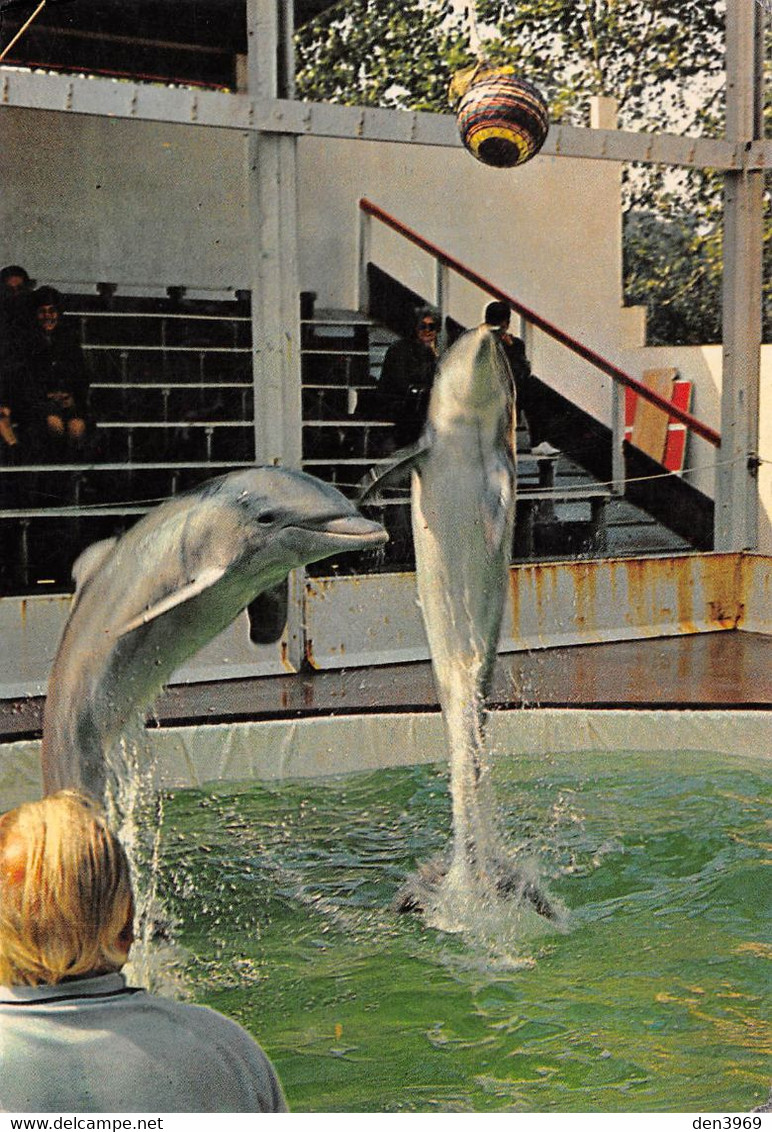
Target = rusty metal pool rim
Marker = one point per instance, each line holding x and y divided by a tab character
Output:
371	620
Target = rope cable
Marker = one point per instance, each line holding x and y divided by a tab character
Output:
469	16
559	494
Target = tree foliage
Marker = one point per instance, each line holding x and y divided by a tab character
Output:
379	53
659	60
662	61
675	272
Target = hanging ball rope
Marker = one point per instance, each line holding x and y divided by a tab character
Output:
503	120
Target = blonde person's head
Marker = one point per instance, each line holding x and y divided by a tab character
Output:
65	892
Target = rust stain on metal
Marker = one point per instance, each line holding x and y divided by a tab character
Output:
309	653
585	579
724	582
514	593
318	588
542	575
682	593
682	575
638	610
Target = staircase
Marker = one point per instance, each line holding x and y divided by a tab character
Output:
342	354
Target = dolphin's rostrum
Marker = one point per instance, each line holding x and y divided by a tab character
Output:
148	600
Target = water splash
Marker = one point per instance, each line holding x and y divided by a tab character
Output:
480	887
134	808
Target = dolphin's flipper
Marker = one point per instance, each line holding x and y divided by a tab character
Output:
268	614
374	483
205	579
90	560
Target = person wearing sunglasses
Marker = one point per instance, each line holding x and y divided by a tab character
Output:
407	377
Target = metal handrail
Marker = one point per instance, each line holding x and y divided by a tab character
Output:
601	363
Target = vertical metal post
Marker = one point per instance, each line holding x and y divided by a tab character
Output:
441	279
272	180
262	48
273	190
736	515
286	85
275	300
365	254
617	438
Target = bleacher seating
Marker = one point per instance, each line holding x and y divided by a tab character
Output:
172	405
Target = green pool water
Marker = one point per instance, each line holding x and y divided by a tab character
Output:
654	996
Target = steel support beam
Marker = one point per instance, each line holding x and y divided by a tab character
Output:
262	112
737	498
275	299
286	85
273	191
272	180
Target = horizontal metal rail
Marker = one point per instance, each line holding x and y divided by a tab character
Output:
123	466
128	386
174	424
96	511
172	315
117	348
137	101
322	385
336	351
603	364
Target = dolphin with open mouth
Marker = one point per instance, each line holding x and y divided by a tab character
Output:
463	505
150	599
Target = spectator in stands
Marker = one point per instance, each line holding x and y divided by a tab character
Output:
407	376
15	332
498	315
76	1038
58	380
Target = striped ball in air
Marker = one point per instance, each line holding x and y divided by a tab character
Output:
503	120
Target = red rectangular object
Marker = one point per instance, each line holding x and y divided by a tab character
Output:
675	444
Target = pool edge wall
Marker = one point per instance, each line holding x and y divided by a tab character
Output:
360	620
271	750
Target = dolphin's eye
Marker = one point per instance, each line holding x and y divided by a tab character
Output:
267	519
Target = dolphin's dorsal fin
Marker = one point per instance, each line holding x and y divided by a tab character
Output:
203	582
87	563
374	483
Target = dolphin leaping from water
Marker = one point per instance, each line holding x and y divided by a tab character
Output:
463	506
148	600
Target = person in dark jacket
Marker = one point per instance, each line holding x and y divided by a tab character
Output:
16	320
407	377
58	381
498	315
